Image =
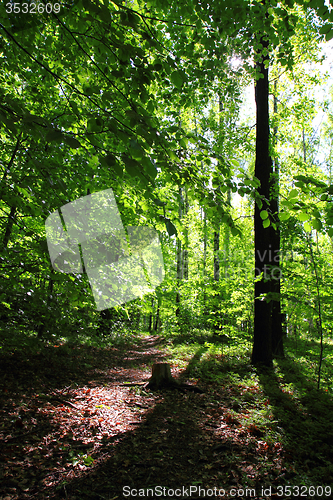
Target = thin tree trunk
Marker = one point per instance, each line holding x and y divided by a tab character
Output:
151	315
216	256
157	325
262	338
42	325
185	249
10	163
204	261
227	241
179	256
9	227
304	145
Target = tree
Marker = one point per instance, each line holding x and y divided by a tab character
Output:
91	99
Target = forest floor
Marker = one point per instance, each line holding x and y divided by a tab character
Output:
70	428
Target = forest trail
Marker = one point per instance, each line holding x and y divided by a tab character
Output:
72	429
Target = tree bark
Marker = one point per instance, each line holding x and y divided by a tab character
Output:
262	338
216	256
179	256
45	318
10	164
204	259
151	315
9	227
185	249
160	376
157	325
277	330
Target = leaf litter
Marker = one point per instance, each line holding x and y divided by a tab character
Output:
73	427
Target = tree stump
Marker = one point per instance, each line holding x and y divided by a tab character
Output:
161	376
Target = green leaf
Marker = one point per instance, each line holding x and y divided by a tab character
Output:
234	162
136	153
302	216
131	166
266	223
173	155
88	460
177	78
235	231
149	167
110	160
293	193
54	136
92	125
159	203
150	106
330	232
264	214
284	216
316	224
307	226
325	29
72	142
329	35
170	227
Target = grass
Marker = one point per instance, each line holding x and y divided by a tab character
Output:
281	406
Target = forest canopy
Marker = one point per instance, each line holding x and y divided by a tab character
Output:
166	212
147	98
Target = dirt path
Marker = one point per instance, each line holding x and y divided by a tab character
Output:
70	428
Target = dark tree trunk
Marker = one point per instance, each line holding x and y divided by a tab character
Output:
204	264
157	325
161	376
9	227
185	249
45	317
151	315
277	330
9	166
216	300
216	256
262	338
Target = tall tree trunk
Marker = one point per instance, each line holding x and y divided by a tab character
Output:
216	303
45	317
204	261
10	164
277	330
262	338
151	315
179	256
216	256
157	325
185	249
9	226
227	241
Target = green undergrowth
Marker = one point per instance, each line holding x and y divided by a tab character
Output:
281	406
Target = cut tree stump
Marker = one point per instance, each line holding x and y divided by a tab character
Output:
161	378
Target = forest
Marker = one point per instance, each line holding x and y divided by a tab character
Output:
166	239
